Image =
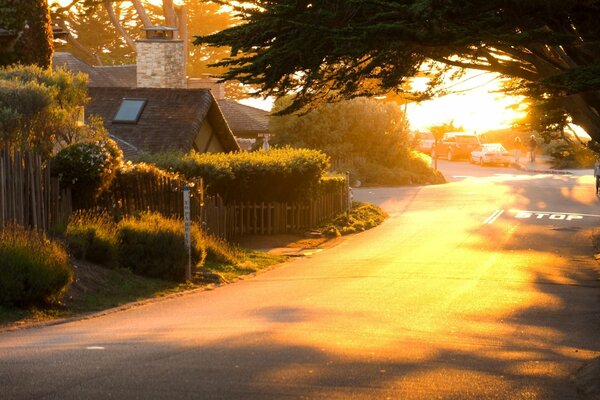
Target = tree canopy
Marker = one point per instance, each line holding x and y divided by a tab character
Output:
336	49
41	109
27	24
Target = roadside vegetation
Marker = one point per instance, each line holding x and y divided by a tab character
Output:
362	216
366	137
143	257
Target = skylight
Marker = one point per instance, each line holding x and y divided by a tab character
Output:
130	111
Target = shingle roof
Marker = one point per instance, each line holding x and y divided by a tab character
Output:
99	76
171	118
244	121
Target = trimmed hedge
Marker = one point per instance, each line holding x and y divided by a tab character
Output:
33	269
275	175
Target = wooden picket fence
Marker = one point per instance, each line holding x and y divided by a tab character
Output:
146	193
28	195
237	219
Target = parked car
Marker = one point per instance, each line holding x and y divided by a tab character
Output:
455	145
424	142
491	153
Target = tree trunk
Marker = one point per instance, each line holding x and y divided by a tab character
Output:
584	114
115	21
141	11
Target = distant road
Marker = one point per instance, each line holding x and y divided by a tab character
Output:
484	288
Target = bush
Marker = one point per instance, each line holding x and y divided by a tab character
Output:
91	236
413	169
154	246
567	155
33	269
274	175
88	168
362	216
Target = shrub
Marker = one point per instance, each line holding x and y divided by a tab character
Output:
362	216
274	175
91	236
413	169
567	155
88	168
154	246
33	269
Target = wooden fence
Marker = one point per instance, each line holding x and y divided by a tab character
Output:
237	219
31	198
28	195
142	193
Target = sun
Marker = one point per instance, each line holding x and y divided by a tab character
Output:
476	104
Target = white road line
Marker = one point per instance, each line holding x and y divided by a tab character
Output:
490	220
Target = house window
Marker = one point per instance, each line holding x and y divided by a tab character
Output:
130	111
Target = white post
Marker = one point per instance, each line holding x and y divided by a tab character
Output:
186	227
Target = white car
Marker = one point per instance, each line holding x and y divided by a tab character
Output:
491	153
424	142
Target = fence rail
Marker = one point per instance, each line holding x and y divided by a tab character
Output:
238	219
141	193
28	195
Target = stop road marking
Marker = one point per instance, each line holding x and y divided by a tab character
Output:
548	215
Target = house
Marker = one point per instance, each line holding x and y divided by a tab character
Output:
148	106
157	119
161	65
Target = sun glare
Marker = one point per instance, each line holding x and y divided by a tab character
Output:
475	104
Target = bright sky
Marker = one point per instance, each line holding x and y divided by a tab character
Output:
475	106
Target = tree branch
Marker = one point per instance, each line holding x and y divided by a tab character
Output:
115	21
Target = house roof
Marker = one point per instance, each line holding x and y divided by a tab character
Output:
99	76
171	118
244	121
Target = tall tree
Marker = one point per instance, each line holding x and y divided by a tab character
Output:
329	50
29	22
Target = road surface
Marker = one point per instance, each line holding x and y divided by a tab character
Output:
482	288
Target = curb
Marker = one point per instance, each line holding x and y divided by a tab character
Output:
542	171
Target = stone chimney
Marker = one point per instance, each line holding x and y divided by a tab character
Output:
160	59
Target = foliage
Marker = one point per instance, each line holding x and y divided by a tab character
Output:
275	175
99	39
40	108
438	131
362	216
29	20
154	246
367	137
327	51
33	269
570	155
361	127
88	168
91	236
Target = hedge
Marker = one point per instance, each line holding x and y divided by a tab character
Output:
275	175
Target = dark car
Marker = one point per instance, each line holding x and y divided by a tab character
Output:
455	145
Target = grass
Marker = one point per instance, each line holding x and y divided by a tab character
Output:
362	216
97	288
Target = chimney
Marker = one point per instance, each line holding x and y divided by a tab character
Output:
160	59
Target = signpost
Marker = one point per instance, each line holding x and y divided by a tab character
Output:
186	228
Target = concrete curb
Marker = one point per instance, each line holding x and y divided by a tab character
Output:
541	171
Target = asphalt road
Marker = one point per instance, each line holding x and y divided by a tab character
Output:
484	288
